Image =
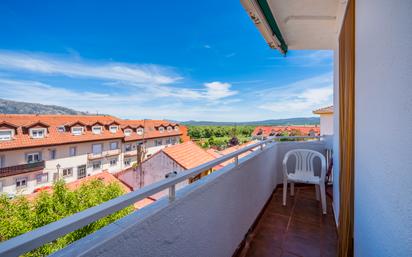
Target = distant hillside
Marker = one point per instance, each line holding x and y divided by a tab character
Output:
13	107
291	121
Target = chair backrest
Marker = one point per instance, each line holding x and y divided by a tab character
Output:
304	162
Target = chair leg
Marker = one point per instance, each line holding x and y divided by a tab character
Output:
317	192
323	197
292	189
285	191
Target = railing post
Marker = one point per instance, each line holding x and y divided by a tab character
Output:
172	189
237	160
261	147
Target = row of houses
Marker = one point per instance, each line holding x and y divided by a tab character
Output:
325	128
36	150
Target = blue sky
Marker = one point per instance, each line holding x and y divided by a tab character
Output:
180	60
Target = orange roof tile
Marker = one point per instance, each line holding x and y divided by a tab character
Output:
23	140
276	130
234	149
188	155
324	110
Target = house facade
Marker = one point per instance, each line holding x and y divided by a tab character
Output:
36	150
175	158
326	120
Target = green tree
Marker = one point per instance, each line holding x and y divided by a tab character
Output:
20	215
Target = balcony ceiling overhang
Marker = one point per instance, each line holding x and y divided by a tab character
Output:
301	24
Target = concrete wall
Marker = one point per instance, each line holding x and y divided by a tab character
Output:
383	163
209	218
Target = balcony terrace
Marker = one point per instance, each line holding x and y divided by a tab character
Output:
104	154
299	229
21	169
210	217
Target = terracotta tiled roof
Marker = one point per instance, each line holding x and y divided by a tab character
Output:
188	155
231	150
22	138
151	129
324	110
276	130
185	136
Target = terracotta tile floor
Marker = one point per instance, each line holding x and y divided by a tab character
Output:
299	229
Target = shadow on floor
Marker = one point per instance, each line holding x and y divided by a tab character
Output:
299	229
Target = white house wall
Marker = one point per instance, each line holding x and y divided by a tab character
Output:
383	99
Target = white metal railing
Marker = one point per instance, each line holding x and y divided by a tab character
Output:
40	236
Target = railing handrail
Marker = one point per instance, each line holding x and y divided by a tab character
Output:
42	235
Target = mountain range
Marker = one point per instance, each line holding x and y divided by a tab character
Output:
14	107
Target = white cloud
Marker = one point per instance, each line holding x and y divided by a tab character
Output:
207	46
299	98
217	90
45	64
150	103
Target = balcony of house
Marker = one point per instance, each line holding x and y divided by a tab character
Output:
234	211
130	153
21	169
103	154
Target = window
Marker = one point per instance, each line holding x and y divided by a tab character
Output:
33	157
97	129
73	151
158	142
127	132
53	154
169	129
97	148
113	162
21	183
128	147
97	165
6	135
38	133
140	131
168	141
176	128
114	145
61	129
127	162
67	172
77	131
81	171
173	140
161	129
42	178
113	129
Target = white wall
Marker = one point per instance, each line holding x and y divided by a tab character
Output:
326	124
383	102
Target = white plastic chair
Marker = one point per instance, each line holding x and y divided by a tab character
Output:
304	173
